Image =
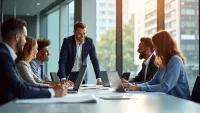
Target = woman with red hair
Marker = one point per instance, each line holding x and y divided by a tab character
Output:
171	77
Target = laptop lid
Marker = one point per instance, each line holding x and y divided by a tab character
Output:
104	78
115	80
80	77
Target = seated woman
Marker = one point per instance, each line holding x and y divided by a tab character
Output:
24	57
171	77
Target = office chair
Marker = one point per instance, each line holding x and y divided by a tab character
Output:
126	75
196	91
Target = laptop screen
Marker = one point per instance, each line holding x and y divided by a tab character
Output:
104	78
80	77
115	80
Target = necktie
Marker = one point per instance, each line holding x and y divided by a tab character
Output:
42	72
143	70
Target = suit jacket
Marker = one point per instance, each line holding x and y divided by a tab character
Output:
27	74
11	84
151	71
68	55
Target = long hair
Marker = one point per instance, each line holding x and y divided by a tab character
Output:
166	47
27	51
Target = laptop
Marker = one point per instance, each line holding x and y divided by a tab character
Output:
116	82
79	79
104	78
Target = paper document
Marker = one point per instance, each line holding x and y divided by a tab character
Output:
75	98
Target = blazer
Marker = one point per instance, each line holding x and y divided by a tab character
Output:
11	84
151	71
171	80
68	55
28	75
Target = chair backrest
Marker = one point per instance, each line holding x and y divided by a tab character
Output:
126	75
196	91
54	77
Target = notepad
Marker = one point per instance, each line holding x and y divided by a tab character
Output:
75	98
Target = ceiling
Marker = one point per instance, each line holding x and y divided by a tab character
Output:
25	7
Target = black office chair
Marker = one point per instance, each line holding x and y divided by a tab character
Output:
54	77
126	75
196	91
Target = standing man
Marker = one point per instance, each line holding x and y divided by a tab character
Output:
37	65
74	52
146	52
12	86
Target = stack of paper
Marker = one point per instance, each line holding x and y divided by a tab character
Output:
76	98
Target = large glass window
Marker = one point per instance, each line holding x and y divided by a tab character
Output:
66	20
106	33
184	28
139	20
53	36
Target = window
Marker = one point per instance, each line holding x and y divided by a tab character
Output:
53	36
102	4
106	35
142	22
187	11
186	34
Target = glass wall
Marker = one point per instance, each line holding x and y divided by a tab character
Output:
139	20
106	33
67	20
57	24
53	36
181	20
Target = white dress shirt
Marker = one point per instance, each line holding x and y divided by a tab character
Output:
78	60
147	64
14	56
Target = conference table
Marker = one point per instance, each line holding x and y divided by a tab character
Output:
142	102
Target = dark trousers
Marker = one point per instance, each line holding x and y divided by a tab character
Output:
73	76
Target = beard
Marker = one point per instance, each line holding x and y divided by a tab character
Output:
142	55
19	46
80	39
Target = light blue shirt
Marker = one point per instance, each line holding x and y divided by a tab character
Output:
171	80
36	68
14	56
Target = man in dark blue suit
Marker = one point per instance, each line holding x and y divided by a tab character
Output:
12	86
74	52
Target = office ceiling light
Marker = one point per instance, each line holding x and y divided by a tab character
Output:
28	14
38	3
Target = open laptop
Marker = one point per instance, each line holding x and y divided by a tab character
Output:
104	78
79	79
116	82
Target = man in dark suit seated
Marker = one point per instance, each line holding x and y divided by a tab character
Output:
146	52
74	52
12	86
